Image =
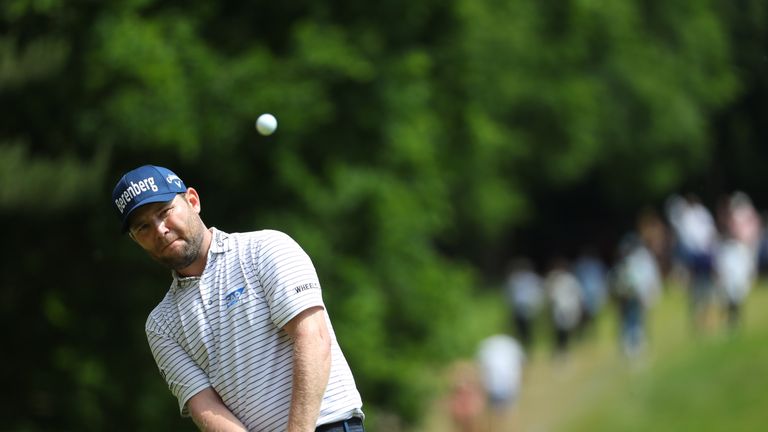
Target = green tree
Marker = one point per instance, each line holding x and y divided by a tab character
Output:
413	138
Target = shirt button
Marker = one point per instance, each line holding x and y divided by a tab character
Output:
210	302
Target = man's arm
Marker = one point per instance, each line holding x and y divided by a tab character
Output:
211	415
311	367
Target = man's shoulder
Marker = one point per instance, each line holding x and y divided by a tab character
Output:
162	314
265	233
259	238
261	234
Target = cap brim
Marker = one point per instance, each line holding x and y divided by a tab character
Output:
154	199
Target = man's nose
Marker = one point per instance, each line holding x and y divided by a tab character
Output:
160	228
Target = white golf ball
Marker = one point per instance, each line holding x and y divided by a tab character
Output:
266	124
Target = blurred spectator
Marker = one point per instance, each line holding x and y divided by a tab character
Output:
636	284
525	296
565	302
736	262
743	223
696	235
656	237
467	398
735	266
500	359
762	250
736	259
590	271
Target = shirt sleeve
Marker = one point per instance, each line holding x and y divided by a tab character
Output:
288	277
183	376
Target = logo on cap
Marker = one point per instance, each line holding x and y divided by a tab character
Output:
144	185
134	190
173	178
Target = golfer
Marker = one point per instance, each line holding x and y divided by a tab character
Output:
242	337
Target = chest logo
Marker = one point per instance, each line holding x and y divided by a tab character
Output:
233	297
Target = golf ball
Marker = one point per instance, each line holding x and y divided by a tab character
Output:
266	124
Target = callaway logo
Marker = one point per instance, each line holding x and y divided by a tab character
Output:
233	297
173	179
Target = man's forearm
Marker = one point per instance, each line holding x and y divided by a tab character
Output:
211	415
216	422
311	367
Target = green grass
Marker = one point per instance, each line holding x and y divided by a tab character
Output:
715	385
685	381
712	382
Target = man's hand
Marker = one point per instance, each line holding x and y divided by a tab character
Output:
211	415
311	367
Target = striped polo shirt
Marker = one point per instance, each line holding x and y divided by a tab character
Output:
224	330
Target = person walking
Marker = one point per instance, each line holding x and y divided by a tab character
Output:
500	360
735	270
696	236
591	273
637	286
242	337
565	302
525	296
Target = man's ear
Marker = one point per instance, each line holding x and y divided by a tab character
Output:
193	199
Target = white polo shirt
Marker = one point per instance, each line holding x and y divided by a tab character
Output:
224	330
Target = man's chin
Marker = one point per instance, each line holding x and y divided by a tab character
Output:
180	253
176	262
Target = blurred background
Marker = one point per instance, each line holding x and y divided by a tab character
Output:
428	153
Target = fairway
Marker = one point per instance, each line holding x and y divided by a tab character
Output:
710	381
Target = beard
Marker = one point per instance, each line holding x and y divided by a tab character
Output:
189	252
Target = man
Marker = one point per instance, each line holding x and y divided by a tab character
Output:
565	301
242	337
526	296
637	286
500	359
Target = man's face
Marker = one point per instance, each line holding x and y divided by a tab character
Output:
170	232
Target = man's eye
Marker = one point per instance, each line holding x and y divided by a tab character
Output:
138	229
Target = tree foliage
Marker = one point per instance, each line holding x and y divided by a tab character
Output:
414	137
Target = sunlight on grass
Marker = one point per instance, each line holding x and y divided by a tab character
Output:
713	382
710	380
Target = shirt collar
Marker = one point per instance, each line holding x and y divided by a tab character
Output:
220	243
